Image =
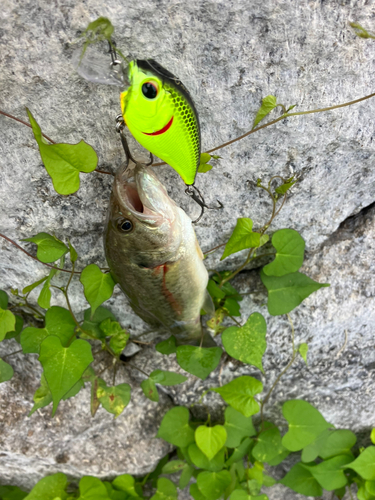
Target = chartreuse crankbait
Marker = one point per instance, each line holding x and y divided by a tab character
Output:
157	109
160	113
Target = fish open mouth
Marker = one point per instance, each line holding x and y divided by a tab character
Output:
133	198
162	130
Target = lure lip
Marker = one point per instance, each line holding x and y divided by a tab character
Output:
162	130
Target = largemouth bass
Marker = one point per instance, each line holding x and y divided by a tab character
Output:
154	255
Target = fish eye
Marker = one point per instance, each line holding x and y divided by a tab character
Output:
125	225
150	90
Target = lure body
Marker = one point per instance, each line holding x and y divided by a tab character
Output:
160	114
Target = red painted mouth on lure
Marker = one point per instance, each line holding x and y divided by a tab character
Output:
162	130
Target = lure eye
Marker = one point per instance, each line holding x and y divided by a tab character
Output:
150	90
125	225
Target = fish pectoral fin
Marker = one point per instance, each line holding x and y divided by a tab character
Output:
208	305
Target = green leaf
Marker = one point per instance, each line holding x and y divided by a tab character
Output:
199	361
98	287
232	307
241	238
64	162
195	493
239	452
58	322
240	394
63	366
290	248
247	343
186	475
311	451
242	495
44	299
31	287
42	396
126	483
91	488
268	445
7	323
303	349
268	104
210	439
12	493
237	427
370	487
305	424
50	248
173	466
204	167
166	490
372	436
167	346
17	329
284	187
213	484
337	442
204	158
119	336
167	378
6	371
287	292
113	399
3	302
300	480
92	324
364	465
215	291
200	460
49	488
149	389
330	474
73	253
175	427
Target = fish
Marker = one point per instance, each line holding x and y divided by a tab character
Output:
160	114
154	255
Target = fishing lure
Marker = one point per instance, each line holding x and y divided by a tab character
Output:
157	109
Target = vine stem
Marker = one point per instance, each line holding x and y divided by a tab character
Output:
281	374
253	130
46	137
11	354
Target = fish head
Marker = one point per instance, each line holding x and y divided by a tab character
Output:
143	224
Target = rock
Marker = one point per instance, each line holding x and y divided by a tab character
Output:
229	55
73	442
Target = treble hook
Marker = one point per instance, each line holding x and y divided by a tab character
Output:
120	125
197	196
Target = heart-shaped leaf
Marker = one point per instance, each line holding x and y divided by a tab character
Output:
240	394
113	399
237	426
50	248
58	321
63	366
149	389
241	238
268	104
247	343
210	439
290	248
91	488
167	346
305	424
364	465
7	323
213	484
6	371
49	488
98	286
64	162
287	292
199	361
166	490
166	378
199	459
175	427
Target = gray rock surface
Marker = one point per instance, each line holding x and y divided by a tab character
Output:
229	55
